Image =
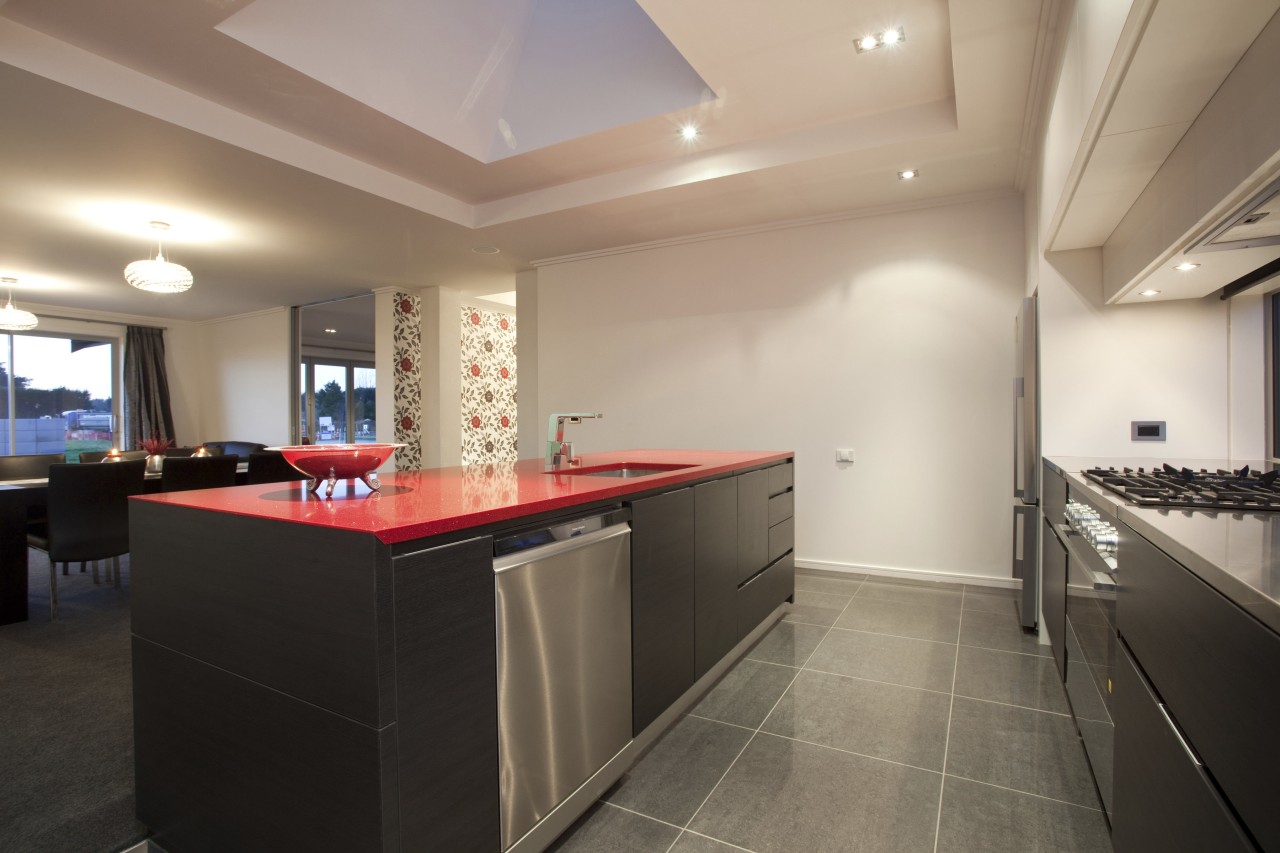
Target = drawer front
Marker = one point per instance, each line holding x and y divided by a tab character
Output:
781	478
781	507
782	538
1163	798
1215	667
758	597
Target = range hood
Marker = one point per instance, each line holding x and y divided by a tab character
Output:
1256	223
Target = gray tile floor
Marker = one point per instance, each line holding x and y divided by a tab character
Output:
880	715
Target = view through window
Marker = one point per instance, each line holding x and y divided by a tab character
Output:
337	403
55	395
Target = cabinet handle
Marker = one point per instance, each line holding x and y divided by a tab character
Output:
1186	746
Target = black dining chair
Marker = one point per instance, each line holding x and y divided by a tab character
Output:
28	466
88	520
269	466
182	473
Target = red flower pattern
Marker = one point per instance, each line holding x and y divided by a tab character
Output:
503	324
475	319
504	373
475	370
406	364
406	306
506	421
406	423
475	422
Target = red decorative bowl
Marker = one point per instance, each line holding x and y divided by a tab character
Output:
333	462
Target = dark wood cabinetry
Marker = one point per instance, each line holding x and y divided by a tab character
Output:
662	603
753	523
1164	799
715	512
1053	574
1217	669
298	689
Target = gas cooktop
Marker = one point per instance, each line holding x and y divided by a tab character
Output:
1182	487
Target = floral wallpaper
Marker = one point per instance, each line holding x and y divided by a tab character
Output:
407	390
488	386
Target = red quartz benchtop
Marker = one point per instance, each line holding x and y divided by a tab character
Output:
415	504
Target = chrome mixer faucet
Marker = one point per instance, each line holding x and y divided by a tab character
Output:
560	452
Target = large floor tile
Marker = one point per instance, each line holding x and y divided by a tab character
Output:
692	843
816	608
993	820
788	643
887	721
1031	751
746	693
919	621
606	829
998	631
878	657
992	599
903	591
676	775
1009	677
782	796
843	585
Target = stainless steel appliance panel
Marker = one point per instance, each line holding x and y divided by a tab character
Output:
564	668
1026	465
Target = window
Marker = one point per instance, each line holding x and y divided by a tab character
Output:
60	391
337	402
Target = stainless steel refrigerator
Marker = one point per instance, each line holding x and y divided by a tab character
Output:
1026	464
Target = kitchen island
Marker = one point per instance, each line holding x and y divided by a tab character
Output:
320	674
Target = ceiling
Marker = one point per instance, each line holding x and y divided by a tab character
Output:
301	152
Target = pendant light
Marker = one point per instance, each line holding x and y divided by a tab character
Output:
158	276
12	318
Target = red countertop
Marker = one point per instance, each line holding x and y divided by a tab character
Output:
415	504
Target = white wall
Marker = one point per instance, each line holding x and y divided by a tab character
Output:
892	335
1104	366
244	379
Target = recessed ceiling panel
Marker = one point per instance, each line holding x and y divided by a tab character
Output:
490	78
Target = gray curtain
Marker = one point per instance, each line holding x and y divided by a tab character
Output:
146	387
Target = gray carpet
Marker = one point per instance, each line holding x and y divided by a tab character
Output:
66	720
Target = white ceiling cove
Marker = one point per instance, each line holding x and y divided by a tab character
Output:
491	78
308	150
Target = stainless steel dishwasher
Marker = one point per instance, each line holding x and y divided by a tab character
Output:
564	660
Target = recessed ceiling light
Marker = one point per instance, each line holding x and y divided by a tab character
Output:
486	250
1149	293
908	174
896	35
331	331
689	133
1186	266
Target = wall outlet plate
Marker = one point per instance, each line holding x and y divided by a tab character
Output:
845	455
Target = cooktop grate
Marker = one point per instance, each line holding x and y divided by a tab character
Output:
1182	487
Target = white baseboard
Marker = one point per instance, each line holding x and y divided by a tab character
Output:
835	569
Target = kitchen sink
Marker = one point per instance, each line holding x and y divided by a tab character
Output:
622	469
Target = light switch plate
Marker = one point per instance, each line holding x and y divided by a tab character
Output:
845	455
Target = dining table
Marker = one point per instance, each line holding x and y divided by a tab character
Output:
16	497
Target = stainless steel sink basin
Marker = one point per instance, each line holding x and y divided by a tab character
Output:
621	470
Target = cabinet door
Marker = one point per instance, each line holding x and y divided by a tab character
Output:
447	697
1053	563
716	562
1164	800
662	603
753	523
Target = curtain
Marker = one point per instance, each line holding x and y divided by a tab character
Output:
146	387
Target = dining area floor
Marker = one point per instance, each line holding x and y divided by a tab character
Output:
880	715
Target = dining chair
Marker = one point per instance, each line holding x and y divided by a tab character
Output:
28	466
88	520
269	466
182	473
233	448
